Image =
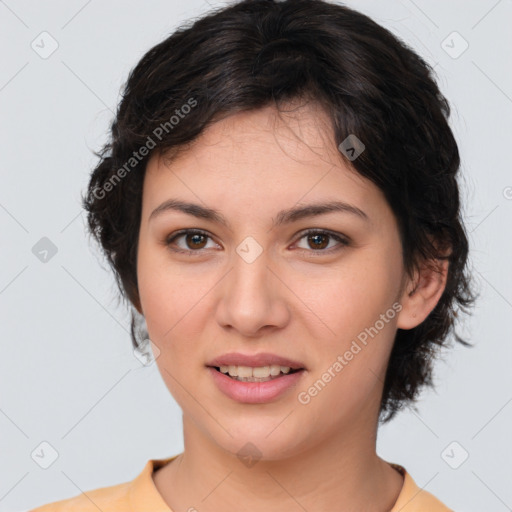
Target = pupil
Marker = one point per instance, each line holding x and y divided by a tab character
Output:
195	238
315	239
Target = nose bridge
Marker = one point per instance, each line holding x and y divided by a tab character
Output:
249	278
250	297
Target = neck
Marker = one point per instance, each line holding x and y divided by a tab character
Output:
342	472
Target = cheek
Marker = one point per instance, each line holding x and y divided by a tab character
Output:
174	303
162	298
168	310
353	295
350	300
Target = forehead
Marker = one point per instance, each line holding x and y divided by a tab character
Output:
260	157
302	131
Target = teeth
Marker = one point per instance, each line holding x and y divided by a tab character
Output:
276	370
260	372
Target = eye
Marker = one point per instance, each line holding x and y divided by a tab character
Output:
194	240
318	240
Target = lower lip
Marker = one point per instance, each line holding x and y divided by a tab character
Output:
254	392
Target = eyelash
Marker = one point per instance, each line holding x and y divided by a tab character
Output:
341	240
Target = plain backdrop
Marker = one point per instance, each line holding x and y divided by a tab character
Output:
70	386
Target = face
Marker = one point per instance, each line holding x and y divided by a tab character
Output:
321	289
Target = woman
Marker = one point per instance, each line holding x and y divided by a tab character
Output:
279	204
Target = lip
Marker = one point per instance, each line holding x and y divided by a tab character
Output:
255	392
254	360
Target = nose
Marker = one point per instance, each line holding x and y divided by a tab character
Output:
252	298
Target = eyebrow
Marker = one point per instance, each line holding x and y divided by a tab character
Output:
283	217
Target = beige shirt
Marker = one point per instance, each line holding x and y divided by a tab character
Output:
141	495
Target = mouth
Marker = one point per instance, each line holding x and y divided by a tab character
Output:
255	378
255	374
256	368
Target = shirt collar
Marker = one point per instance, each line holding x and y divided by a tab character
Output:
143	492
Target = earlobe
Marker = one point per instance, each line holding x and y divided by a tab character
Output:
422	293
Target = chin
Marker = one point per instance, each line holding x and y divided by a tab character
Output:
260	444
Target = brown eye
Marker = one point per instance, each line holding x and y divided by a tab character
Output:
195	241
188	241
318	240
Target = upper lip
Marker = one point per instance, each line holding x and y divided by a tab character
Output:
254	360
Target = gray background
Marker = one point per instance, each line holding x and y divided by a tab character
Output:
68	376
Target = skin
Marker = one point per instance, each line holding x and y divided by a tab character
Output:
293	300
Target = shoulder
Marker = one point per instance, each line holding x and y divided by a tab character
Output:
124	497
413	498
109	499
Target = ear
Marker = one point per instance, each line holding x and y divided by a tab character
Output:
422	293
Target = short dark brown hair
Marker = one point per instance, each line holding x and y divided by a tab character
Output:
255	53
